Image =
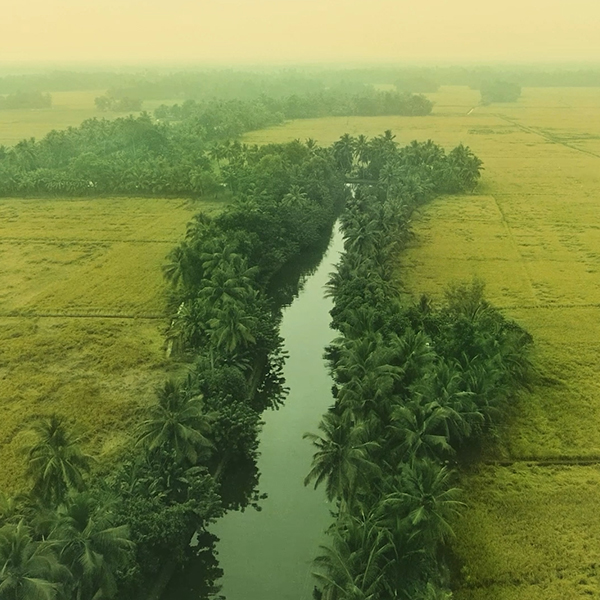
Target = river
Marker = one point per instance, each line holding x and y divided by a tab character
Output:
267	554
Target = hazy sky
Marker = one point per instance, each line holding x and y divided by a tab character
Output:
299	30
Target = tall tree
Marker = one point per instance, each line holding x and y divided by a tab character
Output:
177	423
91	545
56	462
29	570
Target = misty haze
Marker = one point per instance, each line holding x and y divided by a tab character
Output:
299	300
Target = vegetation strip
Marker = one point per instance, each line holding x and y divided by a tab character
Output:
193	455
415	387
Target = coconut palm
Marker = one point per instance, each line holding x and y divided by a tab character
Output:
342	459
229	285
29	570
9	509
427	502
343	152
56	462
188	325
447	388
346	572
91	545
184	267
177	423
296	197
232	328
421	430
220	253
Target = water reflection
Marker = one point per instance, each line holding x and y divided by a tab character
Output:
266	554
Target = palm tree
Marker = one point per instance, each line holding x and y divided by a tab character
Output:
9	509
362	149
220	253
229	284
177	423
232	328
427	502
29	570
188	325
413	354
343	575
342	458
56	462
296	197
184	268
343	152
91	545
421	427
312	145
447	387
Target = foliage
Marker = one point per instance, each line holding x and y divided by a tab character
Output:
125	104
499	91
56	463
26	100
90	545
29	569
413	385
177	423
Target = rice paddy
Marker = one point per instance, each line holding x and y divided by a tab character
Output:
82	315
69	109
532	232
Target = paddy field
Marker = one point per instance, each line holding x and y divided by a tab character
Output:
82	315
531	231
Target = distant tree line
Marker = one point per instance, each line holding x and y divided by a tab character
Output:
125	104
323	104
499	91
180	155
414	386
25	100
417	85
250	84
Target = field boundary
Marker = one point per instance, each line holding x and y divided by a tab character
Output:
545	135
78	315
82	241
515	246
543	462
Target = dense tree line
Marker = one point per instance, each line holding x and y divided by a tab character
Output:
83	534
178	155
322	104
124	156
26	100
499	91
414	386
125	104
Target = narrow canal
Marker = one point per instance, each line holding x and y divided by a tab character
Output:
268	554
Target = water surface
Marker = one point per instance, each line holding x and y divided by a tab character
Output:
267	555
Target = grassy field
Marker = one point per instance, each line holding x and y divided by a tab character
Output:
69	109
82	315
532	232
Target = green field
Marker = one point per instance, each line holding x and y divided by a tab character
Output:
82	315
532	232
69	109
